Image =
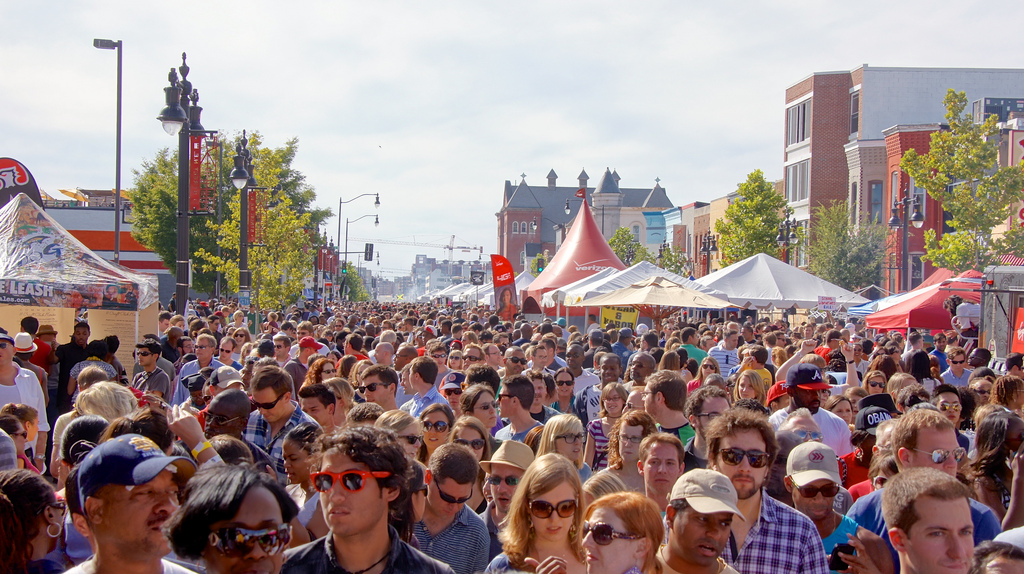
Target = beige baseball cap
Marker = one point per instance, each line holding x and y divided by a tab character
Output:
512	453
707	491
812	461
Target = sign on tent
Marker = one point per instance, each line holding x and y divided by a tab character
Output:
619	317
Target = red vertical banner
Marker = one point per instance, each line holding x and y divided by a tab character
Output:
257	210
195	172
506	300
1017	331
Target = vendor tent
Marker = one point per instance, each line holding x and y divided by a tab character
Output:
557	296
655	297
763	281
923	309
583	252
630	275
485	295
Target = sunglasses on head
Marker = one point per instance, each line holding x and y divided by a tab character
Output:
475	444
372	387
268	406
439	426
734	457
603	534
449	498
543	509
828	491
350	480
940	455
496	480
239	542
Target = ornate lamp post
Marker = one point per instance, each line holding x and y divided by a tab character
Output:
917	220
787	234
708	245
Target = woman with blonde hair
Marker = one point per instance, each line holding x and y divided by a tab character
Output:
601	484
622	535
749	385
105	399
408	428
898	382
613	401
874	382
470	432
564	435
544	526
624	447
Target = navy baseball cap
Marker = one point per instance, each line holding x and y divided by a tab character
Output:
881	400
626	332
869	418
128	460
806	376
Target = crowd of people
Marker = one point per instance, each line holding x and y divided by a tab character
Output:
369	438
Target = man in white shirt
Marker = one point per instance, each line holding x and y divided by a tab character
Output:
802	385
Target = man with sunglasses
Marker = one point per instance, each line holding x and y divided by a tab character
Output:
515	362
151	379
957	374
225	351
506	468
514	401
774	537
127	489
228	414
923	438
450	531
700	514
206	347
803	382
276	414
361	481
380	384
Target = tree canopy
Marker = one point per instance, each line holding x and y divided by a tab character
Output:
627	248
751	223
844	254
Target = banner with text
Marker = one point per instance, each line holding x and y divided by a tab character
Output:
506	300
619	317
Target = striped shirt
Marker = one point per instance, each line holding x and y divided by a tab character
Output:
258	433
464	544
782	540
726	359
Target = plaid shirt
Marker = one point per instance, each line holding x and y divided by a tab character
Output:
782	540
258	433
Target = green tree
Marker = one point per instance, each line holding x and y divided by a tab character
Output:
352	283
751	222
961	171
847	255
674	259
627	248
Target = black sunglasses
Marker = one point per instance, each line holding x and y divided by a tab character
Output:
239	542
439	426
828	491
449	498
411	439
496	480
450	392
734	456
517	360
268	406
564	383
604	533
372	387
543	509
475	444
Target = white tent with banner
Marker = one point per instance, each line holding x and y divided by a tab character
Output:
630	275
48	274
762	281
556	297
485	295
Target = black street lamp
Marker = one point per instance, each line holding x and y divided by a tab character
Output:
787	234
181	117
115	45
917	220
376	205
708	245
240	178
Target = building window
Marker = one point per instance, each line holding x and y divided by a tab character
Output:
636	232
515	227
798	123
798	181
855	112
801	260
916	271
920	194
876	210
522	258
894	186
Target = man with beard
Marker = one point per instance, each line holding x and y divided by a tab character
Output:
128	489
802	384
774	537
506	468
588	401
700	514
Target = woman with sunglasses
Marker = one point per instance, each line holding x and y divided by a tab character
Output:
408	429
613	402
455	361
709	366
624	447
31	520
233	519
321	370
478	401
471	433
17	431
622	534
999	438
875	382
437	422
565	384
564	435
544	527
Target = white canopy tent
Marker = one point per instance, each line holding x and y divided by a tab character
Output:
763	281
452	290
630	275
486	292
557	296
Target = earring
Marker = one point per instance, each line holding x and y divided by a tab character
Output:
50	533
572	532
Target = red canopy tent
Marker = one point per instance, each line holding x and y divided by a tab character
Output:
583	253
924	310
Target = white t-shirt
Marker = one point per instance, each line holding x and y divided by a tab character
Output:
26	391
585	380
835	430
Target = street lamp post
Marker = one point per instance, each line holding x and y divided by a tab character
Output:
917	220
376	223
241	177
708	245
116	46
376	205
181	117
787	234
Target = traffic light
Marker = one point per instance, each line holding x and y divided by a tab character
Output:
344	267
368	252
540	265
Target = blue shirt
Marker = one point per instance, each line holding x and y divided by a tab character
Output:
181	394
839	536
506	433
950	379
622	351
463	544
867	512
941	356
417	403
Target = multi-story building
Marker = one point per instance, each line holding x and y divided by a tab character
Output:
532	220
835	148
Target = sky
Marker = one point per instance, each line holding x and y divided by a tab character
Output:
434	105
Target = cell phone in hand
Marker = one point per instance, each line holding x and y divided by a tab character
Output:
836	562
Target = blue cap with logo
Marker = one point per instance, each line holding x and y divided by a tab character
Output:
128	460
806	376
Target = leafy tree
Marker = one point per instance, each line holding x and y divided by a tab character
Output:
627	248
352	284
961	171
847	255
675	260
751	222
